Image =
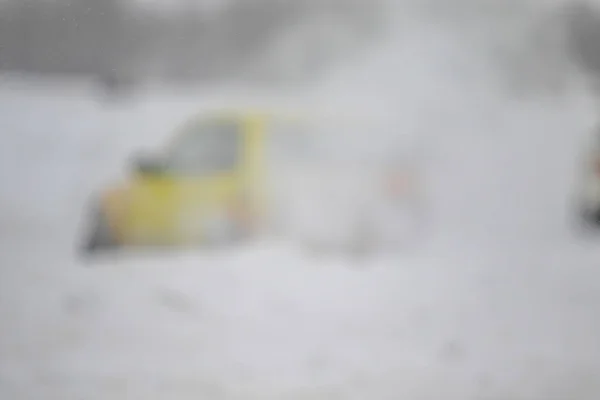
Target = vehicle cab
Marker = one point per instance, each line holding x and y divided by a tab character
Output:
205	186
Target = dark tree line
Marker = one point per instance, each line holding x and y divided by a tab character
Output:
99	37
60	37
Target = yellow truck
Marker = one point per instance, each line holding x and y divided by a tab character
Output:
205	188
209	185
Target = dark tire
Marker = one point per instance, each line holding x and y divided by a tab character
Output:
593	218
100	237
587	223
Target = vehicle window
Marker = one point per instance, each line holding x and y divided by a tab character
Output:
206	148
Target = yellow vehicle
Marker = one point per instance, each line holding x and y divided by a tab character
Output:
214	183
207	187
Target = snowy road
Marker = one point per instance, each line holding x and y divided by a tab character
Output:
501	303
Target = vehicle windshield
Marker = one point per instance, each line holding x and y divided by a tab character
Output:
204	148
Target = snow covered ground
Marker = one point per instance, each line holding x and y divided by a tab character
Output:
501	302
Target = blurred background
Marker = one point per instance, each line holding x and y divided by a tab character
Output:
183	42
490	106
